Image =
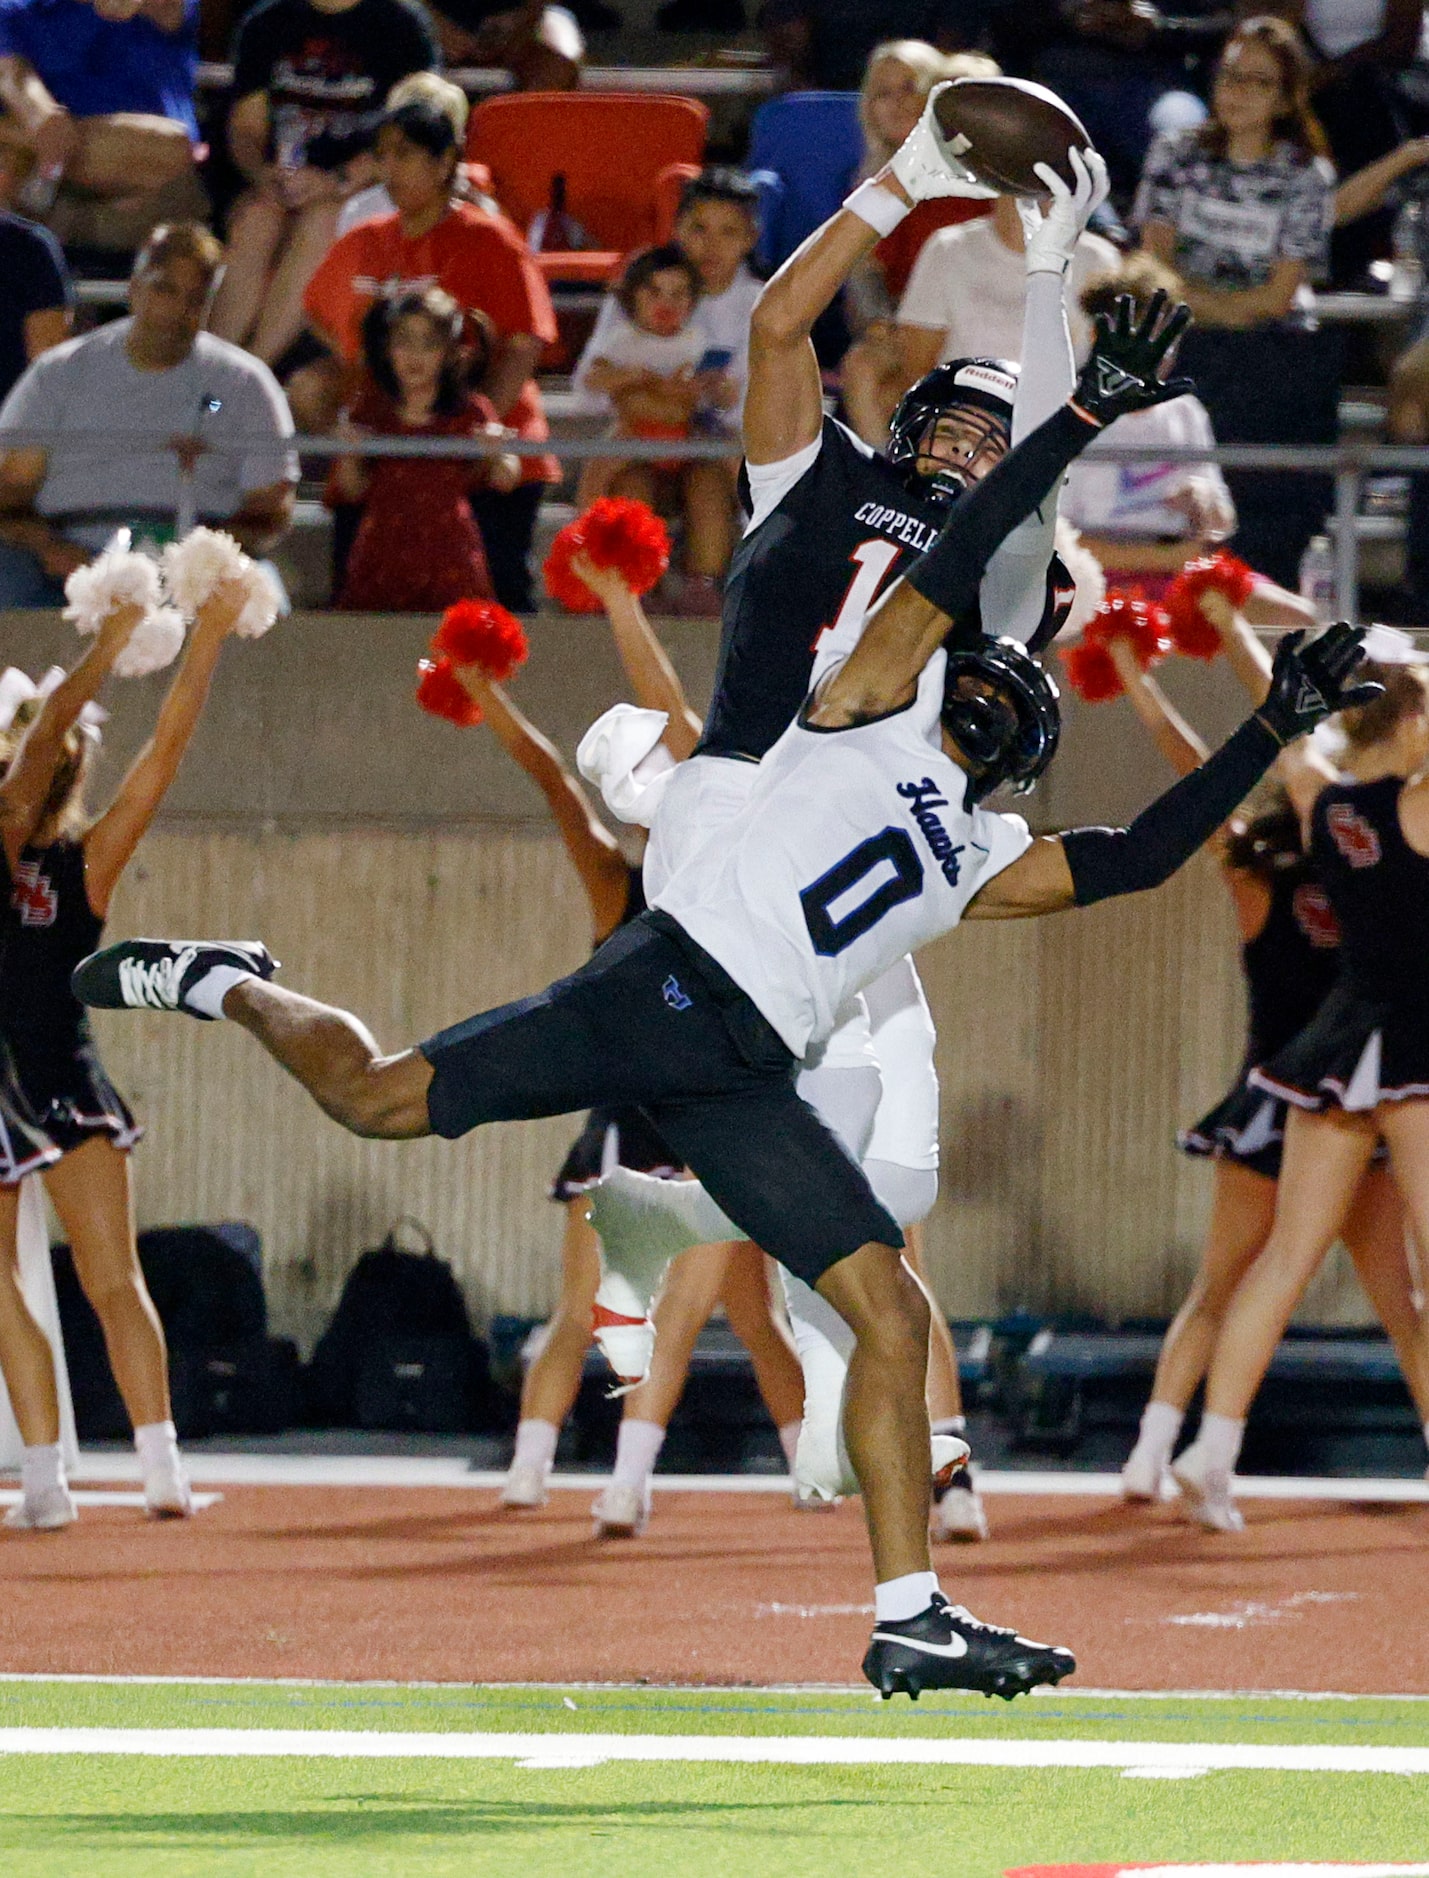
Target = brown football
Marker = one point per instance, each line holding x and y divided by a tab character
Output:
1002	127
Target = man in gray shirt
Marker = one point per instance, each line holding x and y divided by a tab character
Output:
197	431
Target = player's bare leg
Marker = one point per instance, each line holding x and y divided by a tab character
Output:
337	1060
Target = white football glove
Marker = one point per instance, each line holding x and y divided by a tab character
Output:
927	164
1052	233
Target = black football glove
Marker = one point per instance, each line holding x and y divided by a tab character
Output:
1308	683
1123	372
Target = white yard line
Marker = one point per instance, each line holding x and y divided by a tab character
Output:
1163	1759
379	1470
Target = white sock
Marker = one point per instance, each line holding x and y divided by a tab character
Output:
1219	1442
637	1448
789	1441
42	1470
535	1443
901	1598
156	1444
1160	1425
949	1425
206	994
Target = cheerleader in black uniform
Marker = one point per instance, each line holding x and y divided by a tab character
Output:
1290	957
1359	1070
62	1117
615	895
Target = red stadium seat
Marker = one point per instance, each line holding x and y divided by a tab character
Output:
613	148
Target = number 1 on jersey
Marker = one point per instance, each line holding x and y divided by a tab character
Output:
872	559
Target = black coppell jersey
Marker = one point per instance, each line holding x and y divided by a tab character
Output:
814	566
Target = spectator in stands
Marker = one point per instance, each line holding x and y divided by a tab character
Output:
155	376
422	88
965	299
36	296
540	45
434	238
1240	207
717	226
825	45
310	80
900	74
1358	48
1240	210
1144	521
98	97
1131	69
646	372
418	548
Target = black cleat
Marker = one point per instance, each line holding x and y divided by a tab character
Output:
946	1647
157	974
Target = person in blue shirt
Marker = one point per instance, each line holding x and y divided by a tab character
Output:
97	98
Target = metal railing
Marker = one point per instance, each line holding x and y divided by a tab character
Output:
695	81
1348	463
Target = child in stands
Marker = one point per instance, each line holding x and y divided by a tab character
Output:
418	548
647	371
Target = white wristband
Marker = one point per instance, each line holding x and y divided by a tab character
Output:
877	206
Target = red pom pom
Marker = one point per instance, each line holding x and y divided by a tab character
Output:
629	537
1140	622
562	582
1192	634
615	532
1090	671
441	692
479	632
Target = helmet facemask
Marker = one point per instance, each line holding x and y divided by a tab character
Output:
957	449
1000	709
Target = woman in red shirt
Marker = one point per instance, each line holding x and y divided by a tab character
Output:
480	259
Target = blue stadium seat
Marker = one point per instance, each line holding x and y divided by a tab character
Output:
805	149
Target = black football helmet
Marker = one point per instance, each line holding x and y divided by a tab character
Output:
1002	711
975	387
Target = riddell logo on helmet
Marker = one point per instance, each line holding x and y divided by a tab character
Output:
983	378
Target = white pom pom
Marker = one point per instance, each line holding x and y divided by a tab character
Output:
203	560
115	578
154	643
265	602
1088	577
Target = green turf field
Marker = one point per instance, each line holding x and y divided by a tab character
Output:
157	1816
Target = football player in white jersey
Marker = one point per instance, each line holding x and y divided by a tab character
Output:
865	839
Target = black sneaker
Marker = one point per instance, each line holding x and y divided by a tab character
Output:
946	1647
155	974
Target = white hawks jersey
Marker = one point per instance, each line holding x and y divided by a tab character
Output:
855	848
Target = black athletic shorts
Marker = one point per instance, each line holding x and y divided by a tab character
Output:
653	1020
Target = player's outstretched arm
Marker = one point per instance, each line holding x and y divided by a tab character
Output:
783	411
1085	865
1122	373
653	678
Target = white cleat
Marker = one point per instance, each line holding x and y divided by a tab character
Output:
1206	1493
167	1494
45	1511
621	1512
1146	1479
958	1513
524	1486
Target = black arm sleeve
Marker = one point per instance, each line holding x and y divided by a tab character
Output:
951	572
1105	862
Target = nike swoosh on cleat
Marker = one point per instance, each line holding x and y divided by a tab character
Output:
956	1648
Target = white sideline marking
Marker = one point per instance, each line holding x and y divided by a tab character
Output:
399	1470
1275	1871
593	1750
12	1496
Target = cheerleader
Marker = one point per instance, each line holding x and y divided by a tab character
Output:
62	1116
1290	956
614	893
903	1110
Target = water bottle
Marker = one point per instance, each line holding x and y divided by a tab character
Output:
1406	278
1317	577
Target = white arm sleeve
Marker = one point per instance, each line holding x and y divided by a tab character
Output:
1014	586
